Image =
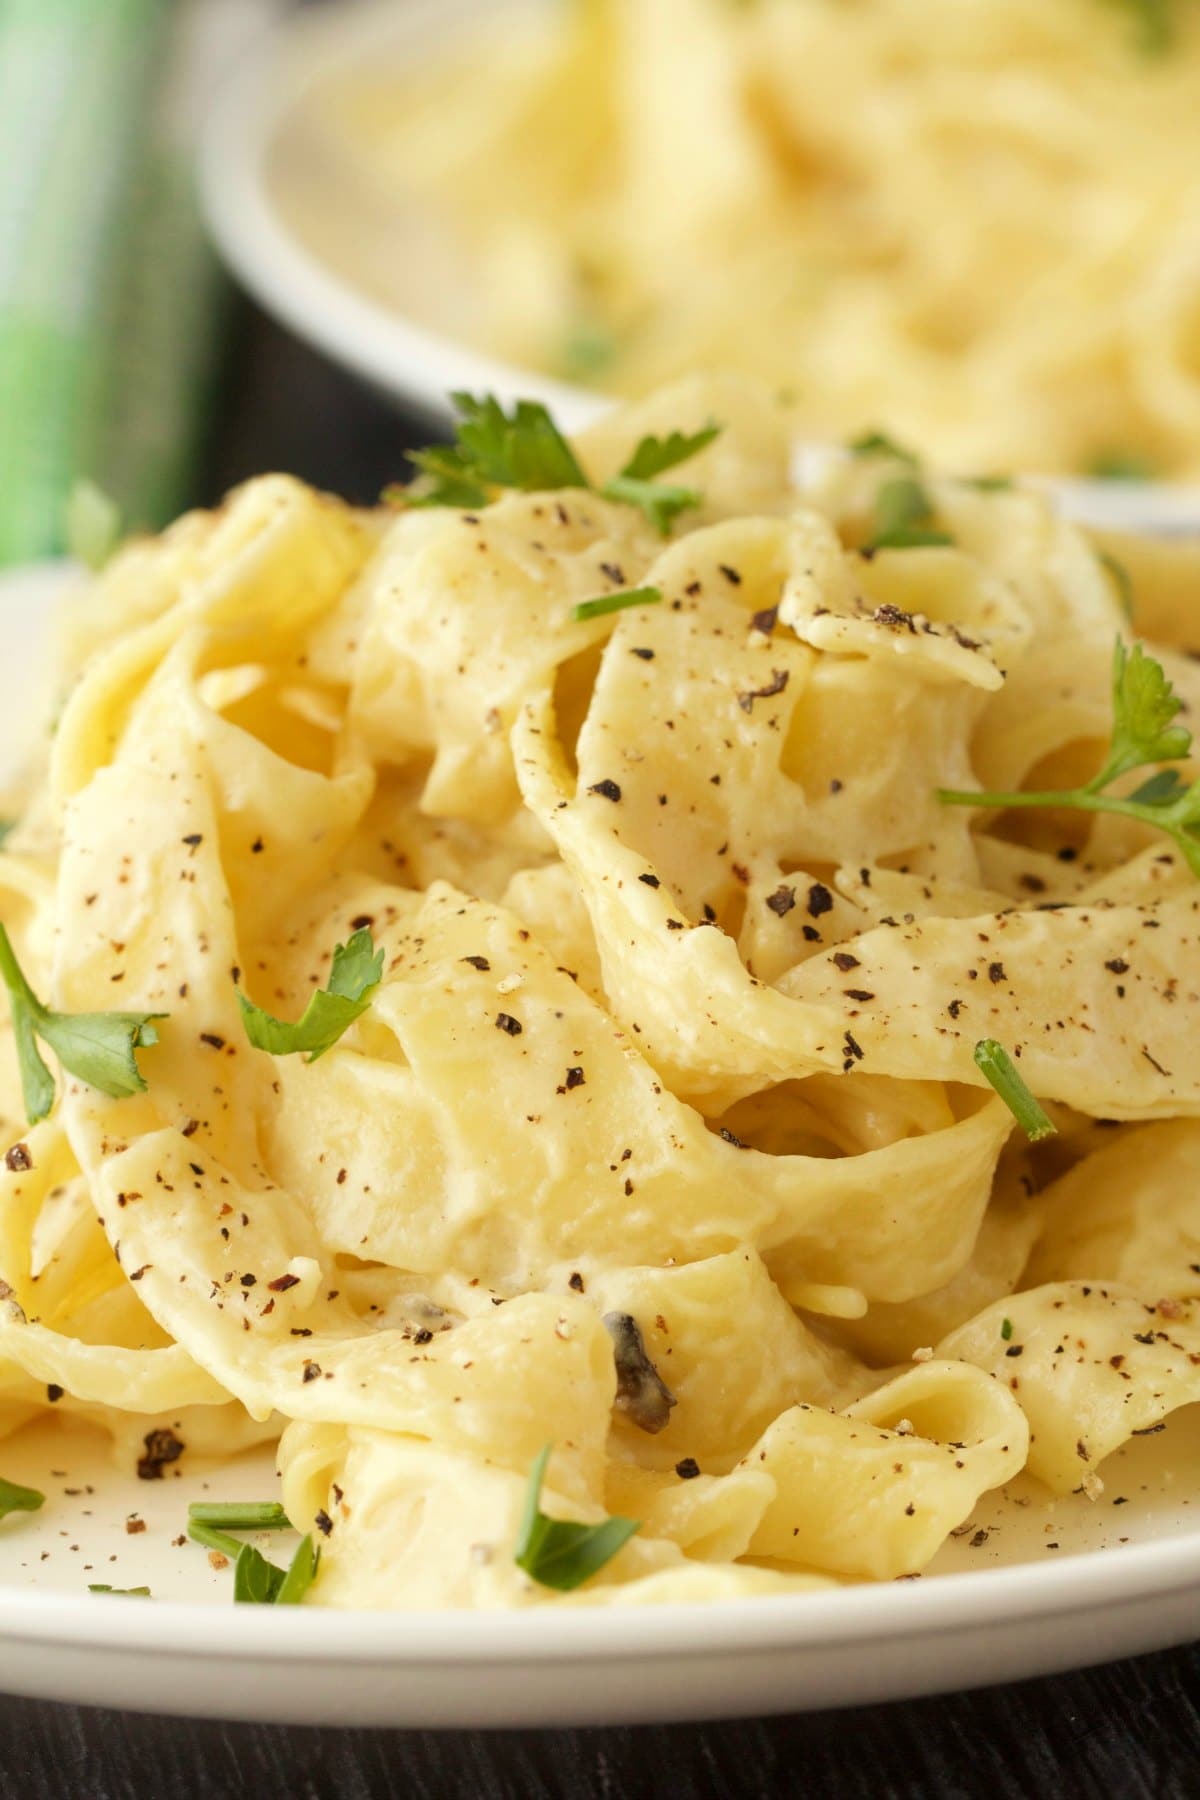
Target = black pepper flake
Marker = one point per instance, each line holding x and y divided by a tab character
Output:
249	1281
709	913
17	1158
257	847
614	572
323	1522
53	1392
575	1078
765	621
1015	1350
820	900
1118	965
423	1336
646	655
844	961
782	900
160	1448
193	838
607	790
576	1282
894	617
853	1049
954	1008
687	1468
732	576
312	1371
996	972
506	1022
477	962
858	994
650	880
282	1283
212	1039
731	1137
776	685
811	934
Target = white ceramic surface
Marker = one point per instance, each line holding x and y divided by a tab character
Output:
1029	1585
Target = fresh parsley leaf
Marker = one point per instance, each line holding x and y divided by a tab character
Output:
611	603
449	482
353	978
97	1047
561	1553
1006	1329
1153	23
990	484
525	450
636	484
995	1062
1121	465
239	1515
904	517
257	1582
1144	704
1144	708
93	525
878	443
103	1587
655	455
302	1572
589	350
18	1499
1122	580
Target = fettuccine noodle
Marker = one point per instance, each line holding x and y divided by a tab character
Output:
976	222
684	964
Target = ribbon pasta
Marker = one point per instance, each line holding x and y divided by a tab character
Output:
972	221
683	963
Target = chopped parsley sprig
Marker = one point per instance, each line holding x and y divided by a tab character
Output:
993	1060
256	1581
561	1553
239	1515
1154	23
97	1047
1144	708
564	1554
904	517
525	450
14	1498
354	976
611	603
105	1587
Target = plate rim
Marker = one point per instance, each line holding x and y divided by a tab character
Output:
893	1611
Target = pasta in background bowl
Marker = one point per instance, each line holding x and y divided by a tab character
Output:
553	954
975	223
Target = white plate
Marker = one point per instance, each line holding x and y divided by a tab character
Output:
1031	1585
258	123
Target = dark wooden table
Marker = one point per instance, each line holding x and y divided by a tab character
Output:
1128	1731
